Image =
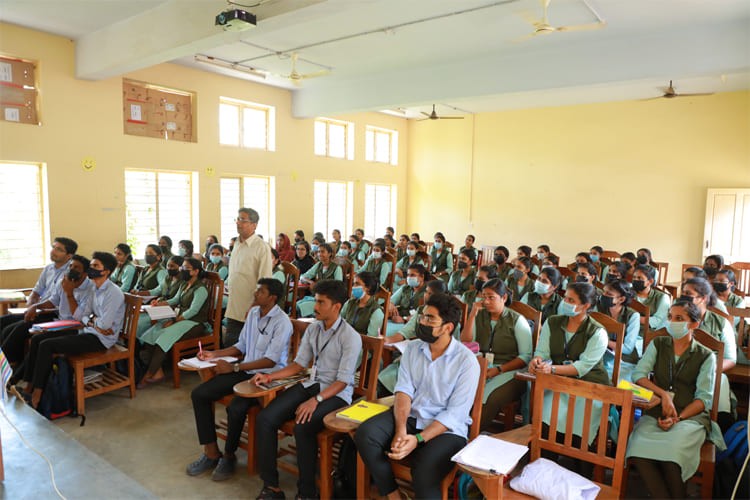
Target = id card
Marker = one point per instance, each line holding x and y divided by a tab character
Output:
671	395
313	373
490	357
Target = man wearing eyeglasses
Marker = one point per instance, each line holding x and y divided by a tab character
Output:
251	260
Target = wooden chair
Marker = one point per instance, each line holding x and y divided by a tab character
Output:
721	313
742	273
645	313
739	375
189	347
402	468
533	316
671	290
685	267
616	329
663	269
480	258
111	379
291	274
389	280
369	245
384	295
488	255
611	255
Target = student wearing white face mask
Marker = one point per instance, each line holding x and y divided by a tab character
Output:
362	310
544	297
216	261
376	264
357	255
542	252
519	282
441	259
410	258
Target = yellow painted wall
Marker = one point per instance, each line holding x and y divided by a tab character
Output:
622	175
84	118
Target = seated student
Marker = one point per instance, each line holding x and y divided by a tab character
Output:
724	284
441	259
124	275
485	274
581	258
544	297
299	235
402	246
542	251
587	273
665	443
429	421
264	346
595	253
468	244
153	274
699	292
185	248
616	271
410	258
165	243
390	243
630	259
416	238
575	343
504	268
357	255
325	268
504	338
519	283
644	257
303	262
211	240
344	253
71	297
644	278
362	311
525	251
712	264
376	264
315	246
191	322
216	261
107	311
277	269
284	248
364	247
334	348
462	280
614	303
407	298
230	248
336	243
694	272
167	289
390	231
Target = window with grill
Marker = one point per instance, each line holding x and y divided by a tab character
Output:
380	209
381	145
334	138
247	124
258	193
332	207
158	203
24	225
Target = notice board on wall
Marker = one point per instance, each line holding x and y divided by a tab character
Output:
159	112
18	91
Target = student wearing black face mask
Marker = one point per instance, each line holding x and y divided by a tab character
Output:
724	284
152	275
462	279
712	264
165	245
644	278
437	380
485	274
501	262
167	289
614	303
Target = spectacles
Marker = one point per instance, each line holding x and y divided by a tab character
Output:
242	220
429	319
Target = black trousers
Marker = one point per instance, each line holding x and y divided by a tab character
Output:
37	371
15	334
273	416
430	462
212	390
25	369
232	332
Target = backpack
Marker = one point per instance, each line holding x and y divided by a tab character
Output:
57	398
345	473
729	462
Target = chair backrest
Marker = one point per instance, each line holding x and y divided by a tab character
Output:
298	330
291	275
717	346
610	254
742	326
369	246
480	257
721	313
385	296
671	290
137	276
663	268
567	273
645	313
389	280
391	251
215	287
464	313
476	408
487	255
533	316
650	335
590	392
742	274
367	382
616	329
130	322
686	266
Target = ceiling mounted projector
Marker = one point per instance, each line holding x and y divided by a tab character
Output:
236	20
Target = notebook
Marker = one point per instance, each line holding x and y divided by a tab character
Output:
638	391
361	411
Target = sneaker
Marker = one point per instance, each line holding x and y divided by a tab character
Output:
268	494
202	465
224	469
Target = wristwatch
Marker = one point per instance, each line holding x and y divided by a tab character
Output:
319	398
420	439
236	367
553	369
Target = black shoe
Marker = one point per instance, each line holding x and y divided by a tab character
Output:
268	494
224	469
299	496
202	465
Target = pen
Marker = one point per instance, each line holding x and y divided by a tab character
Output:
200	347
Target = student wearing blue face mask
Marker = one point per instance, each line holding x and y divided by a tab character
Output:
519	282
406	300
595	253
362	310
441	259
216	261
376	264
357	255
544	297
185	248
410	258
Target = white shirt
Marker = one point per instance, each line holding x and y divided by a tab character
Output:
251	260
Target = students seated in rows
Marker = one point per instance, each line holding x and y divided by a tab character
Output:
441	259
500	258
519	282
191	321
357	255
216	261
105	314
303	261
614	303
325	268
71	297
462	279
665	443
544	297
402	246
362	311
410	258
376	264
712	264
525	251
429	420
165	243
185	248
485	274
468	244
575	344
407	298
333	347
504	338
336	242
644	278
154	272
699	292
124	275
263	347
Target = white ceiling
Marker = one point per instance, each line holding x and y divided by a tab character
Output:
474	55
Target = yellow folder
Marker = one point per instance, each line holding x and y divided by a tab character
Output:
361	411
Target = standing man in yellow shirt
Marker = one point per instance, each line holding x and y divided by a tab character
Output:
251	260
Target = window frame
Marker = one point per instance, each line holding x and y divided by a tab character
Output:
346	227
392	209
371	130
271	202
270	121
348	138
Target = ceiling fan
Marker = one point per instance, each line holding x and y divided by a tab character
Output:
543	27
296	77
669	93
434	116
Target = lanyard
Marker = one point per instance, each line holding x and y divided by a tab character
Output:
263	330
317	342
566	343
671	370
492	332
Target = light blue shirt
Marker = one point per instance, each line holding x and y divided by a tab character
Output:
442	389
108	307
82	294
51	276
335	353
266	337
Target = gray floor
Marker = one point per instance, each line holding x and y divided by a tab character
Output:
128	449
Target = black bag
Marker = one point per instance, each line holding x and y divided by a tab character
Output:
345	473
57	398
729	463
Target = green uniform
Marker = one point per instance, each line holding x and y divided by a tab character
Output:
458	284
366	320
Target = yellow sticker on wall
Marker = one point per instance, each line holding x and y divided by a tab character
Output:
88	164
210	171
294	176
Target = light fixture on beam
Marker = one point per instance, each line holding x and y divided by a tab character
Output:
221	63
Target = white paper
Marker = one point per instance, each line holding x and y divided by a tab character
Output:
169	106
401	346
12	115
6	72
547	480
135	112
160	312
198	364
491	454
171	126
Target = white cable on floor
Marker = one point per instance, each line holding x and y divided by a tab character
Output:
49	464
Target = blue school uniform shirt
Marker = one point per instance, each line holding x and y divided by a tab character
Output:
108	305
50	277
266	337
82	295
